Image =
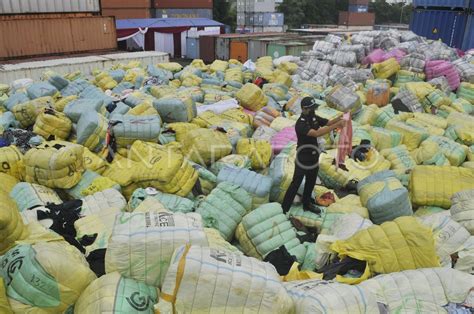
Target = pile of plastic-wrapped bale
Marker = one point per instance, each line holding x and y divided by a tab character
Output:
157	188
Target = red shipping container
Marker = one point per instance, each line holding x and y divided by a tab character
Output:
183	4
356	19
123	14
122	4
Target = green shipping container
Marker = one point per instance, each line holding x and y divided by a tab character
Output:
293	48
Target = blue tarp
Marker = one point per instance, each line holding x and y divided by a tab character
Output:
165	23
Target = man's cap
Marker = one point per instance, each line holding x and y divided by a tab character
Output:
308	102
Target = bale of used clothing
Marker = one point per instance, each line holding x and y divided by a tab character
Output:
447	286
176	109
435	186
51	123
259	152
30	195
75	109
55	166
256	184
429	154
173	202
343	99
91	183
142	244
411	247
56	265
12	227
386	69
224	208
384	196
11	161
191	263
206	145
112	292
91	130
462	209
251	97
127	129
265	229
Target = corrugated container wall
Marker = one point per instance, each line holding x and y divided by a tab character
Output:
358	8
442	3
449	26
48	6
182	13
239	50
122	14
356	19
256	6
56	36
122	4
192	48
468	42
207	48
183	4
268	19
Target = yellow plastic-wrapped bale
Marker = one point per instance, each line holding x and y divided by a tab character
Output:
113	293
412	136
11	162
279	123
51	123
259	152
386	69
251	97
144	109
394	246
281	77
384	138
219	65
205	145
429	153
105	81
46	277
11	223
27	112
4	305
422	125
434	186
55	166
400	158
8	182
237	115
60	104
170	66
348	204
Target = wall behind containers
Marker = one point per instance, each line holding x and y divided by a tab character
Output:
41	6
183	4
56	36
449	26
443	3
182	13
127	13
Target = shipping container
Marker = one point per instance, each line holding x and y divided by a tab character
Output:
182	13
356	19
56	36
257	47
223	42
41	6
267	29
359	2
291	48
468	42
239	50
442	3
122	4
449	26
251	6
241	19
183	4
358	8
123	14
267	19
207	48
192	48
46	16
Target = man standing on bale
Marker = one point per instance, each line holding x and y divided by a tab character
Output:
308	128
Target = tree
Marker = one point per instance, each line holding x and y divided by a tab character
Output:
390	13
224	11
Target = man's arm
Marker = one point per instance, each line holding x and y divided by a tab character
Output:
325	129
333	121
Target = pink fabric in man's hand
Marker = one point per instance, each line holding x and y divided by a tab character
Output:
344	147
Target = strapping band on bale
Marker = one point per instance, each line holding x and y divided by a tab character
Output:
179	278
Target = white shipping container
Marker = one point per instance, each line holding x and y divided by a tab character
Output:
259	5
48	6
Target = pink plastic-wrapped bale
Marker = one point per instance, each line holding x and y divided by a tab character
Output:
282	138
437	68
375	56
395	53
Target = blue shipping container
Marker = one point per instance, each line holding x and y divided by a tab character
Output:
443	3
192	48
448	26
358	8
468	42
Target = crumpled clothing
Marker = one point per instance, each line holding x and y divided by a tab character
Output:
454	308
23	139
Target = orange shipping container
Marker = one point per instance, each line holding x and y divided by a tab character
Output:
45	16
122	4
356	19
183	4
239	50
56	36
123	14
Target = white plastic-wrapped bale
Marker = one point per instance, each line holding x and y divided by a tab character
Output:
31	195
462	209
141	244
205	280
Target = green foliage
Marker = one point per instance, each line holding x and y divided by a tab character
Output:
224	11
390	13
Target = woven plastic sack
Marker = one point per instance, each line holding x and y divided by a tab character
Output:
142	244
51	123
11	161
55	166
205	145
30	195
343	99
265	229
259	152
251	97
262	287
435	186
